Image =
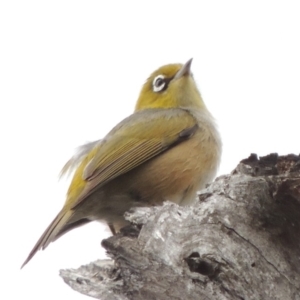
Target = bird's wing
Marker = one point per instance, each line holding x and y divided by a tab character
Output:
134	141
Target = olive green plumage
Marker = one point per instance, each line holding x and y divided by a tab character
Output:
166	150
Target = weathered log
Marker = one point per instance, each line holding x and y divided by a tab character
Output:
240	240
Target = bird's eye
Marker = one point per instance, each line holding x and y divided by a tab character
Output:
159	83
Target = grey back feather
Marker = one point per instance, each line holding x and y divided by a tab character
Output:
76	159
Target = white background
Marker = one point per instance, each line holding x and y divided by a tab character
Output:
71	70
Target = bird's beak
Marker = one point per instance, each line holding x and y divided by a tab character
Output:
185	69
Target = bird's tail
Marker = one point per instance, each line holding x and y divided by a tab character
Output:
57	228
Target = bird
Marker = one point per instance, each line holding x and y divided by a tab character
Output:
166	150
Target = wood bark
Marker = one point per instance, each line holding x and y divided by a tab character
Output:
239	240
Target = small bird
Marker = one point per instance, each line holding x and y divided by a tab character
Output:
168	149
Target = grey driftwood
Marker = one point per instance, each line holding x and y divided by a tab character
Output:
240	240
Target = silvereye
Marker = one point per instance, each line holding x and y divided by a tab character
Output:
168	149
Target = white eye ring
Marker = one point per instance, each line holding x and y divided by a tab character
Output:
158	83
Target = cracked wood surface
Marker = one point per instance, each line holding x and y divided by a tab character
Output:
240	240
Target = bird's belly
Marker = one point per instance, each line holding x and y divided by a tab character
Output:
177	174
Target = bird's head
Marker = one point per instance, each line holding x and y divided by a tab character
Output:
170	86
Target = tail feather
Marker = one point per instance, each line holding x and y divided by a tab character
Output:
53	231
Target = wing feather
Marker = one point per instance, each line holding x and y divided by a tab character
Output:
138	154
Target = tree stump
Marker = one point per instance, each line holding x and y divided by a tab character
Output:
239	240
